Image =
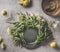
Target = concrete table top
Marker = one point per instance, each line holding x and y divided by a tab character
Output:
13	8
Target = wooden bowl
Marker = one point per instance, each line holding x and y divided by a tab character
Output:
51	7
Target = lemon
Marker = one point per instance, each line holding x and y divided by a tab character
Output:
53	44
4	12
2	45
1	39
24	2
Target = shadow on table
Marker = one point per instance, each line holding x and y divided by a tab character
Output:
57	18
57	48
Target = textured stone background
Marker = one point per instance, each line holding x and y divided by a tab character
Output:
13	8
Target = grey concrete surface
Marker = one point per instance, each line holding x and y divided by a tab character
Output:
13	8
